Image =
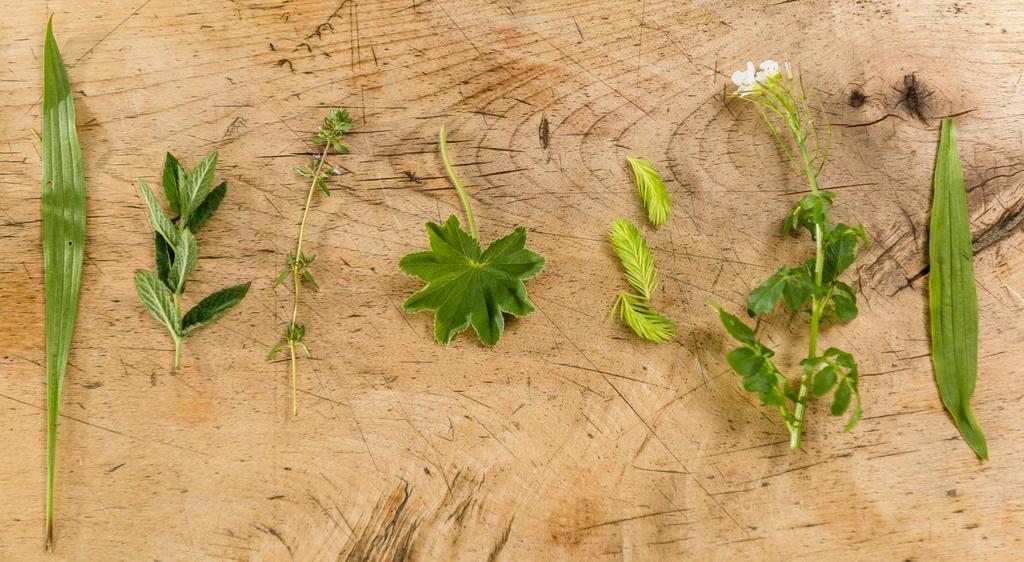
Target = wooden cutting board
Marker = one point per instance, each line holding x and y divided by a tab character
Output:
571	439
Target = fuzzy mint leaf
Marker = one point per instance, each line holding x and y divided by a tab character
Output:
157	219
157	299
164	257
213	307
206	209
468	287
197	184
169	181
185	256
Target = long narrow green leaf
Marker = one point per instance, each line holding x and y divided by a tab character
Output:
63	203
953	298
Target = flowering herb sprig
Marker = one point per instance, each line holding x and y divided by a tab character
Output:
334	127
802	133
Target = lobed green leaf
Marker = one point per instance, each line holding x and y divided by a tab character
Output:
468	287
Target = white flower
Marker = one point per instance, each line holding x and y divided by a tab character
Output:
745	80
752	81
769	70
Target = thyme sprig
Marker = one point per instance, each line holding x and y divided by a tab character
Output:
329	136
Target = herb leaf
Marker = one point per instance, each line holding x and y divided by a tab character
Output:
164	257
636	310
206	209
793	285
185	256
631	247
197	185
177	250
157	219
652	190
466	286
63	224
953	298
213	307
169	181
639	314
158	300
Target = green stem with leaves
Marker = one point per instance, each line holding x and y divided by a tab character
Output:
817	306
334	126
297	266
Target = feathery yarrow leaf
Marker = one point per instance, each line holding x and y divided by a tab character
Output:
636	310
652	190
631	247
638	313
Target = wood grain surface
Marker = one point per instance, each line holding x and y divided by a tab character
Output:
571	439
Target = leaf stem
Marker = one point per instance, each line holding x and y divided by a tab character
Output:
177	337
458	184
295	400
817	307
51	458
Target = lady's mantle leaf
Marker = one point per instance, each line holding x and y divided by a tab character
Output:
466	286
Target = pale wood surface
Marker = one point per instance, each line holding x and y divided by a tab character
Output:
571	439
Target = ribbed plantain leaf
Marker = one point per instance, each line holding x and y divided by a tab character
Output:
953	298
63	203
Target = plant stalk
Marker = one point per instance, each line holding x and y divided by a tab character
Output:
796	431
295	400
458	184
297	270
51	459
